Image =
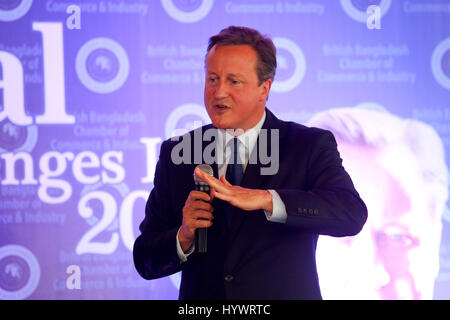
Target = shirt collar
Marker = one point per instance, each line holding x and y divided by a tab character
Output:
248	138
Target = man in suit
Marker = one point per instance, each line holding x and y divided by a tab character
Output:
263	227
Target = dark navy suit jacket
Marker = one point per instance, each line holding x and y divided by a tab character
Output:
256	259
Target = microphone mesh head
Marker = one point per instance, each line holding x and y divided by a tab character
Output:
205	168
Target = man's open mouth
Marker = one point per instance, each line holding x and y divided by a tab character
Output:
221	106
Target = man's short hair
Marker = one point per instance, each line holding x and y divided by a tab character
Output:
263	45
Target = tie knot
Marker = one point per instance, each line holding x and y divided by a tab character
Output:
233	142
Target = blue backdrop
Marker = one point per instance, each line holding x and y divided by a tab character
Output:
88	92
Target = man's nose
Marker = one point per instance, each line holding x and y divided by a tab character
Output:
396	283
221	90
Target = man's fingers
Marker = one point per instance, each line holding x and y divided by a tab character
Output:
212	193
224	180
200	214
200	219
218	186
201	205
213	182
203	223
199	195
223	196
198	209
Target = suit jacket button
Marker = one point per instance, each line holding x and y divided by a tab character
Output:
229	278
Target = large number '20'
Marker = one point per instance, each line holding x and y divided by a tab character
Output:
87	243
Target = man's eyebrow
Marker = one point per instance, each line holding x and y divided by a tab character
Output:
236	75
230	75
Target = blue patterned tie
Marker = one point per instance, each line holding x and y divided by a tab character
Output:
234	176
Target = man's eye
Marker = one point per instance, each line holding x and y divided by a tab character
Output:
397	240
235	82
212	80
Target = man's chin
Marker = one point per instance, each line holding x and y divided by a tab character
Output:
220	124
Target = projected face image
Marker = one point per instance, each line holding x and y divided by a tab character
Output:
397	254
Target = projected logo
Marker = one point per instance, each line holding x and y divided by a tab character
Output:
17	138
19	272
11	10
357	9
440	63
185	118
187	11
289	57
102	65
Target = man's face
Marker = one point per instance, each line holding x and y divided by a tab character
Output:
233	97
405	235
396	256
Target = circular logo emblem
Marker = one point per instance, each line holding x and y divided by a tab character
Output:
19	272
187	11
185	118
102	65
357	9
440	63
17	138
11	10
294	56
11	136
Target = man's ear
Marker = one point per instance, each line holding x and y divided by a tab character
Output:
265	89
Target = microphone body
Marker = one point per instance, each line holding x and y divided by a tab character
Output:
202	233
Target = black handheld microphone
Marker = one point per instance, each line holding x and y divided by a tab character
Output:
200	185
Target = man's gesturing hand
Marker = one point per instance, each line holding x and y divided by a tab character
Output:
244	198
196	207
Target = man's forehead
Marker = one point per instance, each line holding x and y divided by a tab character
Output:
235	60
233	51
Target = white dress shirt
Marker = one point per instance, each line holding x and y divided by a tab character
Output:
247	141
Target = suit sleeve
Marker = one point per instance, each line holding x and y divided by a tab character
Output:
329	205
154	252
